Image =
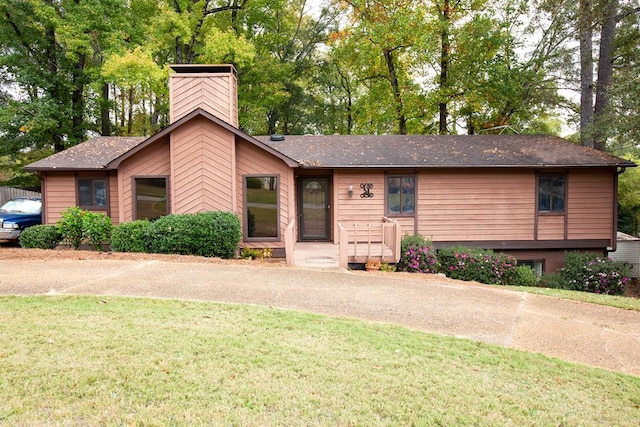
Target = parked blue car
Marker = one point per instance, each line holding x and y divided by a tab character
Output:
18	214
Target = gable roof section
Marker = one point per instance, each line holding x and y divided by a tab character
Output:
441	151
106	153
196	113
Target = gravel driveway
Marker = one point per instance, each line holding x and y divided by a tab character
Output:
584	333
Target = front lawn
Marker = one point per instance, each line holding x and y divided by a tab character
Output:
126	361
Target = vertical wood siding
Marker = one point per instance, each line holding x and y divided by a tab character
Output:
462	205
590	204
253	161
152	161
214	93
202	161
60	194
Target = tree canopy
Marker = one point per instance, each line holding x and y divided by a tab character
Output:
71	69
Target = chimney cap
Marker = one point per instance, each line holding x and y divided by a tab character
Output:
203	68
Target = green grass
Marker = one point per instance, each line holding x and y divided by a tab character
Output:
609	300
124	361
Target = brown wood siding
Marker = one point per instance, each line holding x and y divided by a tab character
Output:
253	161
214	93
355	209
462	205
60	195
114	200
152	161
202	158
550	227
590	204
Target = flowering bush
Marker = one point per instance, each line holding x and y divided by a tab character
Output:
480	265
417	255
592	273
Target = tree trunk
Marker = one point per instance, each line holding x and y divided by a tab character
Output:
586	74
77	102
105	117
605	74
445	49
130	113
395	87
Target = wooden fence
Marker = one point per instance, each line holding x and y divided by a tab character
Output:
8	193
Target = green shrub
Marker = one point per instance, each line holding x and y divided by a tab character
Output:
79	227
552	280
96	229
417	255
40	237
70	226
130	236
206	234
256	253
480	265
385	266
522	275
590	272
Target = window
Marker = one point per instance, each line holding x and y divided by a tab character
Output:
92	193
261	207
150	197
401	194
551	193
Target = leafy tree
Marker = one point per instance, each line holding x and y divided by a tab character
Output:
381	37
47	52
629	199
141	85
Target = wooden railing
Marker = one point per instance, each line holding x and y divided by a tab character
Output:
290	242
360	242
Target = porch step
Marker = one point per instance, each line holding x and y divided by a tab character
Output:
312	254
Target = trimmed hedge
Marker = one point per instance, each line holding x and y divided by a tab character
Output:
130	236
40	237
210	234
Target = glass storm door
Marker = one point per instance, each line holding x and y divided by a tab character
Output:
314	208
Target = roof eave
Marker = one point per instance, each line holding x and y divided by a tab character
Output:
64	169
418	166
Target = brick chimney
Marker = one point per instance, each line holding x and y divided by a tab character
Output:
214	88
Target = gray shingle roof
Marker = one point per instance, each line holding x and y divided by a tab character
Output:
396	151
362	151
93	154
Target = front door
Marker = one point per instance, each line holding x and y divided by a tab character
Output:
313	197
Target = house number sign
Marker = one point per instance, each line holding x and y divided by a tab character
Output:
367	190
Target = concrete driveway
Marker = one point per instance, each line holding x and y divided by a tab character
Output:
578	332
